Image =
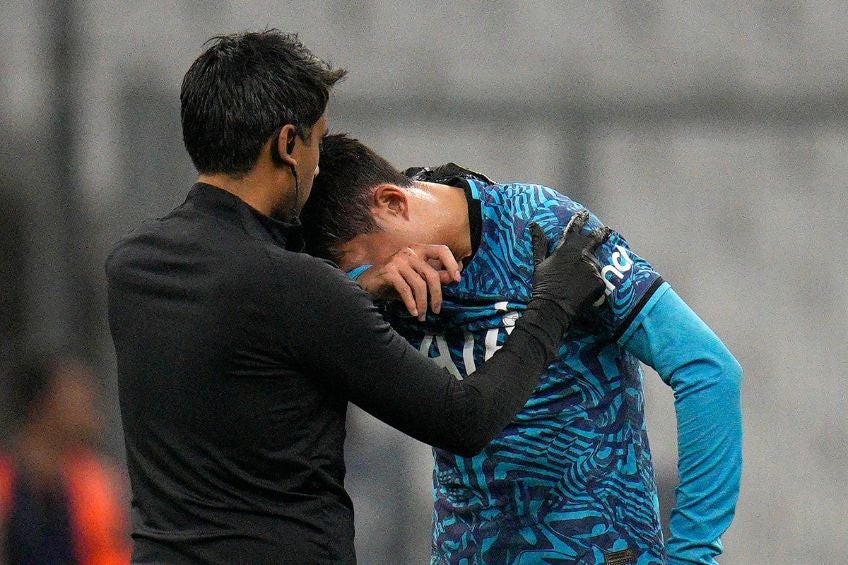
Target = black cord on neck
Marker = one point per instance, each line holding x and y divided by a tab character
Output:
295	211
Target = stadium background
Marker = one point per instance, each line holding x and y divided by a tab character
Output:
714	135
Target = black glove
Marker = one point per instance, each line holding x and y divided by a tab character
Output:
570	278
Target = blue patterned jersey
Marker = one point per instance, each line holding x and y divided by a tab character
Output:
570	480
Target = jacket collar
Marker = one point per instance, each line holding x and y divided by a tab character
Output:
225	205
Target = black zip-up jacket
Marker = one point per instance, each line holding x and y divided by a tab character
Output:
237	356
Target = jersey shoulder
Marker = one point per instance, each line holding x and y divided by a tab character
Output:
521	202
502	267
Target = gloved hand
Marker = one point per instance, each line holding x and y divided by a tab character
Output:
570	278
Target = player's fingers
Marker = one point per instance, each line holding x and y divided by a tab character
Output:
571	232
419	289
441	254
403	290
445	277
576	223
539	242
434	284
597	295
598	237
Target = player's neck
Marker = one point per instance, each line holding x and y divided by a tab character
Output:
450	217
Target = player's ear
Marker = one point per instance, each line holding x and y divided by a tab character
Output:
392	200
282	146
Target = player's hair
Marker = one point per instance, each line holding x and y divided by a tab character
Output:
338	208
242	89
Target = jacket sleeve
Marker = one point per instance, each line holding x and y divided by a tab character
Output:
706	380
334	332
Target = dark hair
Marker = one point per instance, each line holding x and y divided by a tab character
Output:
242	89
338	208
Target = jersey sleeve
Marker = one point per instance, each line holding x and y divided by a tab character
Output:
706	380
630	280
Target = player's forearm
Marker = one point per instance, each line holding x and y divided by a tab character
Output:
709	429
373	367
477	409
706	382
427	403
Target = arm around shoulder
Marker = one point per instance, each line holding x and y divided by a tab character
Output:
332	330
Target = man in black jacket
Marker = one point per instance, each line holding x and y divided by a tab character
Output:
237	354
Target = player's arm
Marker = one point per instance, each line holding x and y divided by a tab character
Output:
353	351
706	379
646	316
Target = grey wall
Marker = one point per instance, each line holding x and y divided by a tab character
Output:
712	134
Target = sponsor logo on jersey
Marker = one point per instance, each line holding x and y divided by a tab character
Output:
617	270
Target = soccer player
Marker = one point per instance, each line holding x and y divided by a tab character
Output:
237	354
570	480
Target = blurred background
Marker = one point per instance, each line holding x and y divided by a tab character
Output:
713	135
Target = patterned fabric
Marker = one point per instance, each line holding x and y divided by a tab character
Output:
570	480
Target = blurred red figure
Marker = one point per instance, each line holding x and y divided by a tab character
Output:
59	503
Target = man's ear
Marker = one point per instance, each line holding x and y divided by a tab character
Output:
282	148
391	200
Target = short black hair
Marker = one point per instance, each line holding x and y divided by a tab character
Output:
338	208
242	89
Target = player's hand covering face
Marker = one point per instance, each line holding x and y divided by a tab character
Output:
411	274
570	277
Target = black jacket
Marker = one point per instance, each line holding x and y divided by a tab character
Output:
237	356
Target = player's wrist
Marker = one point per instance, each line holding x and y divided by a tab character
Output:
549	305
548	319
